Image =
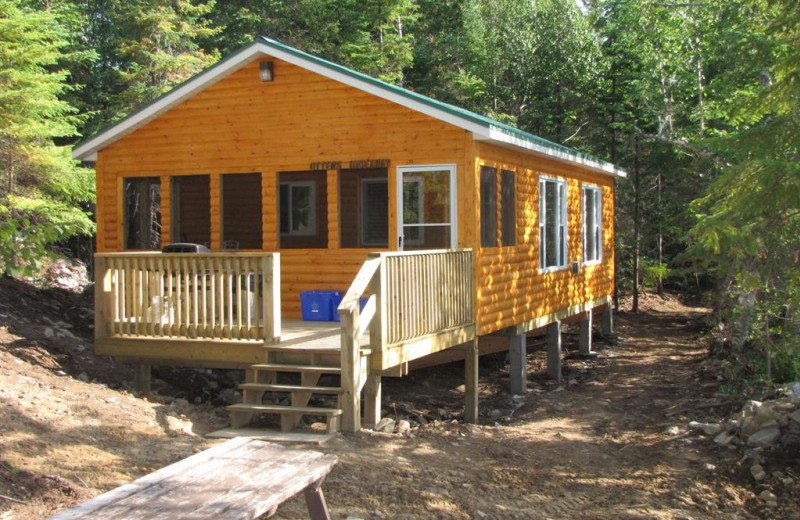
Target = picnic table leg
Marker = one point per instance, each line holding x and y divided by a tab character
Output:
315	500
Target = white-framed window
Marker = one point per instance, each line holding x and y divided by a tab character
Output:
297	208
552	224
592	224
413	210
426	216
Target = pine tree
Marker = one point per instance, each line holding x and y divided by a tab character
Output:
42	187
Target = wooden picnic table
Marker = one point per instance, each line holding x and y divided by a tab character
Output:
238	479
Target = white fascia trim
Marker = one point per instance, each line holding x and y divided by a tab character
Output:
499	136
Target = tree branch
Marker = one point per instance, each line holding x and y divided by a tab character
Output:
568	139
685	145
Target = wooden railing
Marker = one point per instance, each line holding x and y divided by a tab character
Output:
215	296
419	303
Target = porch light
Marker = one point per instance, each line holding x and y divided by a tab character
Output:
265	71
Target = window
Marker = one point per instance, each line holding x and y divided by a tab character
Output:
413	210
303	209
298	208
142	212
592	224
241	211
488	206
191	209
364	208
508	203
552	224
374	212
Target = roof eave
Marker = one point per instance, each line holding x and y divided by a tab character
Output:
498	136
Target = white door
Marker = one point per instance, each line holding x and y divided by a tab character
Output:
426	217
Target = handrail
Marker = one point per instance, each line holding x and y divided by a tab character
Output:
228	296
420	302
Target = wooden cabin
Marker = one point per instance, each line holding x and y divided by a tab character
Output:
302	175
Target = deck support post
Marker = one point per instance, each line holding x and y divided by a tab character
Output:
607	321
585	335
554	351
143	378
517	354
351	372
471	354
372	406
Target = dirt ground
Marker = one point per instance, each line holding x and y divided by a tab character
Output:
603	445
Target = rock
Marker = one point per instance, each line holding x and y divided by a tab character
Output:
758	472
422	420
229	396
765	438
768	498
49	332
749	408
724	438
794	388
385	425
403	426
495	414
672	430
481	514
762	417
573	382
795	416
709	467
353	518
709	429
83	376
178	426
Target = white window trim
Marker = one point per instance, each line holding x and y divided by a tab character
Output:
312	228
364	182
561	220
598	222
451	169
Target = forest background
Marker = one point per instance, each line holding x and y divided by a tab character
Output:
698	99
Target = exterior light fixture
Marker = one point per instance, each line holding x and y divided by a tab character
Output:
265	71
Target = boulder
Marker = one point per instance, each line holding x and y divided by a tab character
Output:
724	438
385	425
709	429
763	416
758	472
403	426
765	438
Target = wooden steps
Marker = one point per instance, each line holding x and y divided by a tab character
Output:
334	390
280	367
262	379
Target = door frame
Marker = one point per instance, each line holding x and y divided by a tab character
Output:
421	168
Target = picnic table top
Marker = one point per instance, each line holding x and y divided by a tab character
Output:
238	479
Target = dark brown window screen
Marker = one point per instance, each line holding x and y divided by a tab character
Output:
508	208
241	211
364	208
488	207
190	215
142	213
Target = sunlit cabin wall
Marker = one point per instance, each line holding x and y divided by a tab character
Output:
242	125
511	290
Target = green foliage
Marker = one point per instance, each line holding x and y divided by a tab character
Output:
42	186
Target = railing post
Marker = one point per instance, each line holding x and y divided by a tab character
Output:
271	296
102	295
351	371
377	335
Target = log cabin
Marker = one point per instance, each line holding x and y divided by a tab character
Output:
449	234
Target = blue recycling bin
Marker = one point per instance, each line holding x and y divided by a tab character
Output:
320	305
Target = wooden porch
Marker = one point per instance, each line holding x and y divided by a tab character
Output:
222	310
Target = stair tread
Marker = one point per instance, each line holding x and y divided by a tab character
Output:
280	367
276	408
291	388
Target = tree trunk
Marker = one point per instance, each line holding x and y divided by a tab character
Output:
660	216
636	224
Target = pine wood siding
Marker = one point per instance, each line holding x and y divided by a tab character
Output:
241	125
510	288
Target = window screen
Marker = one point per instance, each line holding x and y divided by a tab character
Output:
142	213
508	204
488	207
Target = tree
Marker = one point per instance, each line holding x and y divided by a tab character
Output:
749	219
43	188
